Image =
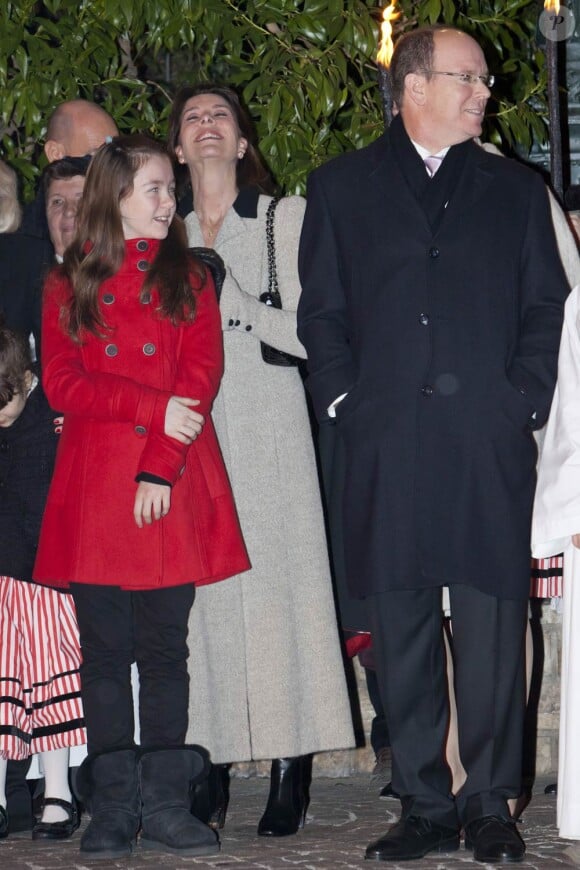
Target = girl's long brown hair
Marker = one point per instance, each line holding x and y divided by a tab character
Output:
97	251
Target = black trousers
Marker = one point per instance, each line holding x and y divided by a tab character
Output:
116	628
488	640
379	728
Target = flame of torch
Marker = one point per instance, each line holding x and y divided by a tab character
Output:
384	57
555	124
386	48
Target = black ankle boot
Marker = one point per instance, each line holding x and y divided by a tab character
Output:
288	799
167	776
210	798
108	786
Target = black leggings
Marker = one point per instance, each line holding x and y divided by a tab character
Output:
118	627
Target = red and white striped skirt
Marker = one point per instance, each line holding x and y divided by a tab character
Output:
546	579
40	687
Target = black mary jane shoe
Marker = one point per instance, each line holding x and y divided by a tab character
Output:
58	830
494	841
413	838
3	823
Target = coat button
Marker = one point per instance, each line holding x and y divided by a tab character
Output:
149	349
143	265
140	430
142	245
248	328
4	446
111	350
424	319
145	298
433	253
108	298
427	390
237	323
230	322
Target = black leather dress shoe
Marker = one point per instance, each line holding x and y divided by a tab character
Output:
412	838
388	793
552	788
494	841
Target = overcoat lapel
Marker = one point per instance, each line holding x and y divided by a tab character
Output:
232	226
389	182
471	186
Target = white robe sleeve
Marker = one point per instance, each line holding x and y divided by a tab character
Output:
557	503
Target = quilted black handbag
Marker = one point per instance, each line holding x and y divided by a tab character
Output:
270	354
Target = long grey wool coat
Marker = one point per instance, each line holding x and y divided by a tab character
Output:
266	672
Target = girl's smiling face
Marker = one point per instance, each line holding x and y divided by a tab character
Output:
147	212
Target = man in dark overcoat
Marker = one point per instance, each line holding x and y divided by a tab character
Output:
431	312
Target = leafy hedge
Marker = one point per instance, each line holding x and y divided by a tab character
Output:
306	69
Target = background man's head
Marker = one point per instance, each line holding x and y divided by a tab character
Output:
10	211
76	128
439	85
64	182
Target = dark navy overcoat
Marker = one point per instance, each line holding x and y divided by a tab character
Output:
446	339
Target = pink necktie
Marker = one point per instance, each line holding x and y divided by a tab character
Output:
432	164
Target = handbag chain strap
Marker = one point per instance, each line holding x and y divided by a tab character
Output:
272	274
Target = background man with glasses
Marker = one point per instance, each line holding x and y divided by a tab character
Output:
431	312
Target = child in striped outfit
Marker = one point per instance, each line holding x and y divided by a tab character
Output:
40	702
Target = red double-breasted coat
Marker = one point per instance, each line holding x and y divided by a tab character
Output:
113	392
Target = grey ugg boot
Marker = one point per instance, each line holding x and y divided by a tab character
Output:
166	776
108	785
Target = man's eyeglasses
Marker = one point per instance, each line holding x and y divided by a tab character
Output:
465	78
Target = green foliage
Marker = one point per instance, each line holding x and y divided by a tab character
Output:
306	69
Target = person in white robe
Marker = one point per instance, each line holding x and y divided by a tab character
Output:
556	529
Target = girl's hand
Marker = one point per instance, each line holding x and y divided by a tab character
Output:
181	422
152	502
576	541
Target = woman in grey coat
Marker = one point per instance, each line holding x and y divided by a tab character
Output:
266	671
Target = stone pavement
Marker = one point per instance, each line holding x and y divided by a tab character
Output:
343	817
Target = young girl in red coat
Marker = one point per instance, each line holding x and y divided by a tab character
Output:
140	507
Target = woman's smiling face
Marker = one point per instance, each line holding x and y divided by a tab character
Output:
209	130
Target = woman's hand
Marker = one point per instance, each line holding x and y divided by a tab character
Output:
181	422
58	421
576	541
152	502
